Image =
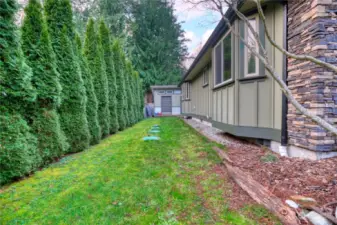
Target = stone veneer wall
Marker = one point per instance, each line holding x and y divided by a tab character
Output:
312	29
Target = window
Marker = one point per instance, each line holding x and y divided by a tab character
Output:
169	92
223	60
161	92
251	61
178	92
205	76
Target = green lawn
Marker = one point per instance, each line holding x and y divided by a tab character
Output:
125	180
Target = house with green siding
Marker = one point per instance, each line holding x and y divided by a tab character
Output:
229	88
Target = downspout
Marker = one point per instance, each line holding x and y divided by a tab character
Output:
284	126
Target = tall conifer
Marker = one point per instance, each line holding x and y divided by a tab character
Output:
130	91
126	92
18	155
94	55
92	104
105	39
40	57
73	108
120	83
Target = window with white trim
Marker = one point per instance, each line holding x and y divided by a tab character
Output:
169	92
251	60
223	60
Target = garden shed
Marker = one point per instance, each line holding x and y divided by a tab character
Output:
167	99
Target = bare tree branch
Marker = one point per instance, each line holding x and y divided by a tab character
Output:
287	53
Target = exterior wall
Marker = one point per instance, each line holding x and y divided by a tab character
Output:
246	107
312	30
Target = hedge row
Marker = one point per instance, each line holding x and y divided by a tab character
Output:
57	94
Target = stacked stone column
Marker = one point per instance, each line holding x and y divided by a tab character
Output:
312	30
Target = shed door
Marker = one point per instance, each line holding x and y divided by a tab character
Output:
166	104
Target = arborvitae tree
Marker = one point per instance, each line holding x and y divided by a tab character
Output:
137	93
18	155
131	102
94	55
40	57
73	108
141	98
120	83
105	39
126	87
92	104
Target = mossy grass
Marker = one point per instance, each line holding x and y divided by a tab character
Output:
125	180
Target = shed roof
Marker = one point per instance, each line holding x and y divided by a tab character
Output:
164	87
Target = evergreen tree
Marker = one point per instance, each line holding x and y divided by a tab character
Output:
131	94
73	108
40	57
18	155
92	104
126	87
93	51
141	98
105	39
158	41
138	112
120	83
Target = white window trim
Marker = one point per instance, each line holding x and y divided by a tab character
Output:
214	70
257	62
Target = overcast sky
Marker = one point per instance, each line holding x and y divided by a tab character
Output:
198	25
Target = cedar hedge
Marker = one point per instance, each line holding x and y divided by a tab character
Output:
57	97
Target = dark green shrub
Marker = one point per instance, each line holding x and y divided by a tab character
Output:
18	155
120	83
92	104
94	54
105	39
141	98
138	96
16	88
73	108
123	77
40	57
130	93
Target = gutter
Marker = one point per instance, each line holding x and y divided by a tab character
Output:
284	125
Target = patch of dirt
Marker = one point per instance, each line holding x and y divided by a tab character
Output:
286	176
281	175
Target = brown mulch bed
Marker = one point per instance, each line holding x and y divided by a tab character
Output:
286	176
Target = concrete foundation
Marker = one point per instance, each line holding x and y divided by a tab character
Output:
294	151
